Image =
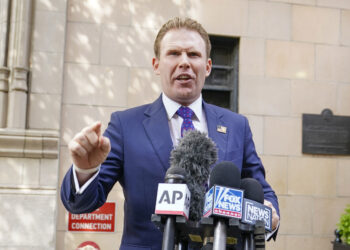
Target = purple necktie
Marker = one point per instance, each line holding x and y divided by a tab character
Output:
186	113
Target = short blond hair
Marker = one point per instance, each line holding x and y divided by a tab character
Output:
181	23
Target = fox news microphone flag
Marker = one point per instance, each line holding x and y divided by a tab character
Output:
223	198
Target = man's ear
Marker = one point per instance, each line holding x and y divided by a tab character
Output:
208	67
155	64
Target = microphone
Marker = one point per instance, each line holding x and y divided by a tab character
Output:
256	216
195	153
252	190
223	200
173	198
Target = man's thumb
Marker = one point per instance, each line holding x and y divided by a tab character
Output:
105	144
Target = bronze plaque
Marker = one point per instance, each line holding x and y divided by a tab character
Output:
326	134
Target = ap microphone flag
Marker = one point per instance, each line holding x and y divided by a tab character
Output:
173	199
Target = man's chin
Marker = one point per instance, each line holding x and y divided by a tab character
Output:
186	98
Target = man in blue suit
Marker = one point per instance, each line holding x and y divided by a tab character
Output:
136	146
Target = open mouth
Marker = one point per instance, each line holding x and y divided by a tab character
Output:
184	77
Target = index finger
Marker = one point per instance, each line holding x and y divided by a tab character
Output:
95	127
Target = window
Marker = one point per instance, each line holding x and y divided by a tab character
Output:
221	87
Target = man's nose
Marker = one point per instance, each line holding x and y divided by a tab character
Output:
184	62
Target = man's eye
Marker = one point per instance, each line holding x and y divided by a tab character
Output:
193	54
174	53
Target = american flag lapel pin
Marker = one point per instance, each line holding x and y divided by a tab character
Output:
221	129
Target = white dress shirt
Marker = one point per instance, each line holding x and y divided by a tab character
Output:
175	121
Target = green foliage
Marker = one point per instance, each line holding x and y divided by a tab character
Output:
344	226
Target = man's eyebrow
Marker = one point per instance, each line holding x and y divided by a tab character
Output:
177	48
194	51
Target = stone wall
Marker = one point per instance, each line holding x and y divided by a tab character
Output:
86	59
31	76
293	60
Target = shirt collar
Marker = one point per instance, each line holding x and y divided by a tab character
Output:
171	107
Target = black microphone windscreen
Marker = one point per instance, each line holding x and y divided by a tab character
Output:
176	170
225	174
195	153
175	175
252	190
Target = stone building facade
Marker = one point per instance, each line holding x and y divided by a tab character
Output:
67	63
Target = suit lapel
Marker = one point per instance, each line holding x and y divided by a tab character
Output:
214	119
157	129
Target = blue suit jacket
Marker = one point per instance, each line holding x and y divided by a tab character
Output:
139	158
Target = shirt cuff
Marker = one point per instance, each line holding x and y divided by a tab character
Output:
269	235
78	189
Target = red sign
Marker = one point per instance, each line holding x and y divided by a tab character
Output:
101	220
88	245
